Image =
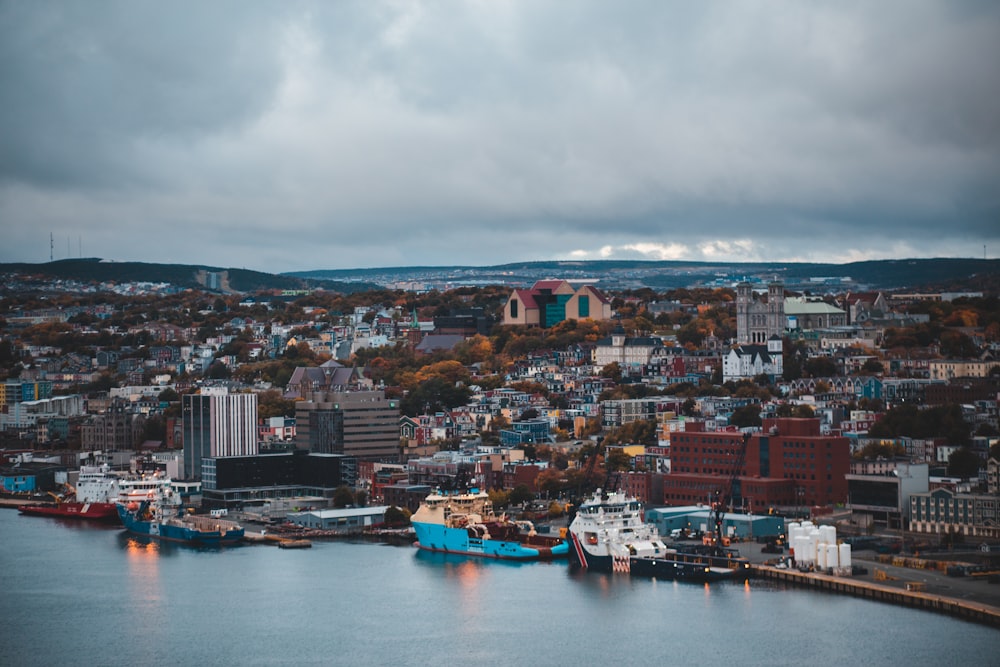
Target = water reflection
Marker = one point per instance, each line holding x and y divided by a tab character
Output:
450	561
145	593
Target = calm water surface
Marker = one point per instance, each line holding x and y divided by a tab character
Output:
71	593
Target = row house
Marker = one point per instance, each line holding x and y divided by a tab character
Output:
504	398
950	369
914	363
905	390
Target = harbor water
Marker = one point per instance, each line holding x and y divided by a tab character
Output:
72	593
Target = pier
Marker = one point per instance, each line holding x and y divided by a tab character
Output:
909	594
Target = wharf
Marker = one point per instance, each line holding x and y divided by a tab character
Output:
909	594
919	583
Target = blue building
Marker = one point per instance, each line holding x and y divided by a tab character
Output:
699	518
525	432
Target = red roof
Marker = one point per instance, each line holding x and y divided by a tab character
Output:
527	297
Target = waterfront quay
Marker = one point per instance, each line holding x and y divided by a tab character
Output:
887	579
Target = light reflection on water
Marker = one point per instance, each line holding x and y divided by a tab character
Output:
120	600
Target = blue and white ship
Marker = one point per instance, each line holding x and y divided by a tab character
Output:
609	534
160	516
463	522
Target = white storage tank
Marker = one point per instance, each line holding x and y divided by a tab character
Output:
821	558
831	556
845	555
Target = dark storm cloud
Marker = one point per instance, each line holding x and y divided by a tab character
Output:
298	135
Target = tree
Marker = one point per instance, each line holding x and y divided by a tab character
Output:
873	367
748	415
499	498
343	497
963	463
612	371
168	395
819	367
520	494
218	371
803	412
271	403
617	460
396	517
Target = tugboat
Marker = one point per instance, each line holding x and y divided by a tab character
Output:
463	522
161	517
93	499
609	534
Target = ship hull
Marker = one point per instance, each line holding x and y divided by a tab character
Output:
435	537
682	567
105	512
179	530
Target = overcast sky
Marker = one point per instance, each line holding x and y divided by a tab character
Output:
283	136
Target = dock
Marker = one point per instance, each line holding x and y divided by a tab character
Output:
909	594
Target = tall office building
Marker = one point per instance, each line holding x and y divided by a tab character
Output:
217	424
362	424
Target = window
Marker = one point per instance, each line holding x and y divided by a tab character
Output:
513	308
583	306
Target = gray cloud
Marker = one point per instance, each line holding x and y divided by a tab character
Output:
325	135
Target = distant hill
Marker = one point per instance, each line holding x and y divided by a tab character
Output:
910	274
94	270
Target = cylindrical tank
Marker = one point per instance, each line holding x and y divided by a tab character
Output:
821	558
792	531
828	534
807	549
845	555
831	556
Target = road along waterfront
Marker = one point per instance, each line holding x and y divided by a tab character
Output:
74	592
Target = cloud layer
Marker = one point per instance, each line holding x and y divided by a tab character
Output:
301	135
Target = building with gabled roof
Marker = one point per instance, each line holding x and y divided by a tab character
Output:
549	302
744	362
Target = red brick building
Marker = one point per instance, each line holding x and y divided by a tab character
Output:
790	463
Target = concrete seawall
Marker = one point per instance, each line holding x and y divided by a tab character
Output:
963	609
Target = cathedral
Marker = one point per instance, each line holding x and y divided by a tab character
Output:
757	321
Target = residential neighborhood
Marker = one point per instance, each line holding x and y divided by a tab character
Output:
881	407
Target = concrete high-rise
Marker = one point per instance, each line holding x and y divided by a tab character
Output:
217	424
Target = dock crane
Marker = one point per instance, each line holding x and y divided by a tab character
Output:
724	495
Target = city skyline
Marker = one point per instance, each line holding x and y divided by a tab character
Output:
311	136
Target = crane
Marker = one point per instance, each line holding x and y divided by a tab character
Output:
724	495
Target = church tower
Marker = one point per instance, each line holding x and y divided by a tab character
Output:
744	298
756	321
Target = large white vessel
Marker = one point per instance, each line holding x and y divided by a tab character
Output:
609	534
93	498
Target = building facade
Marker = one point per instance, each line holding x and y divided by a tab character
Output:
217	424
361	424
757	321
549	302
